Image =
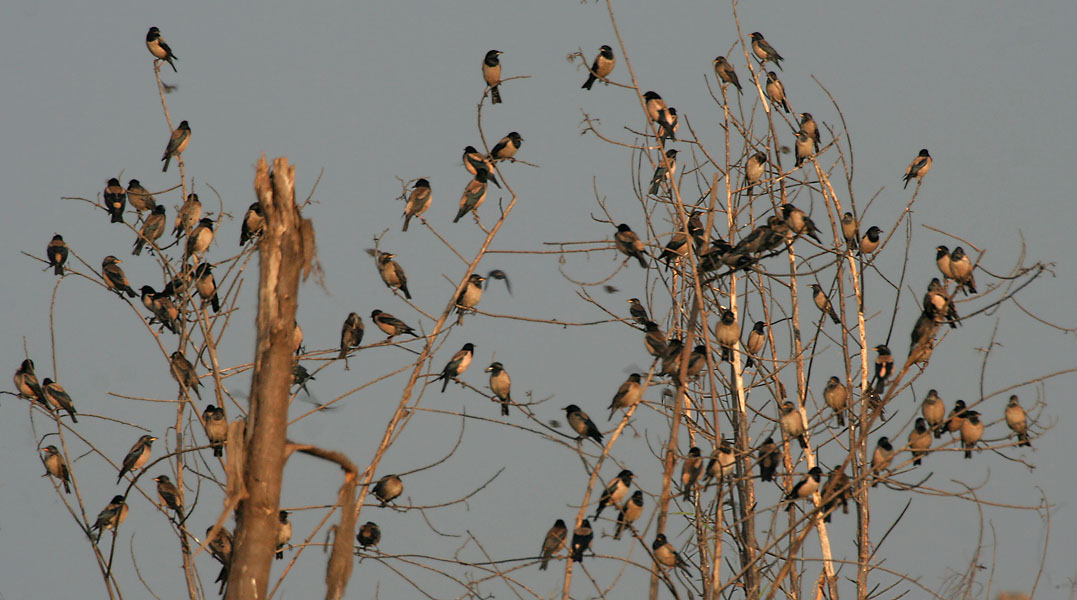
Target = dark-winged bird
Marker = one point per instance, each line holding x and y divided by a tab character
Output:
456	365
639	314
470	296
881	458
629	244
804	146
764	51
615	492
476	163
110	517
884	366
654	340
473	197
369	534
934	412
158	48
284	532
152	229
140	198
918	167
1017	421
207	285
115	200
200	237
254	223
582	424
665	170
823	303
754	169
168	494
722	463
554	541
26	383
162	307
792	424
57	397
351	335
601	67
631	511
392	273
581	540
836	489
805	487
870	242
653	105
507	147
770	455
56	252
391	325
183	372
628	395
725	73
215	423
756	339
776	91
808	126
690	470
388	489
136	456
56	466
491	73
727	334
971	431
177	143
418	201
961	270
501	386
187	216
665	554
942	261
919	440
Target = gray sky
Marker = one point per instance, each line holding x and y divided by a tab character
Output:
389	90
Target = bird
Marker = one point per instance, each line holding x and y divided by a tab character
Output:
1017	421
220	547
56	466
836	396
805	147
668	122
351	335
690	470
922	337
799	222
971	431
177	143
770	455
639	314
792	424
754	169
215	423
26	383
836	489
665	554
725	73
187	216
654	340
776	92
162	307
56	252
849	230
884	366
956	419
628	514
139	197
369	534
934	412
499	275
918	167
159	49
961	269
418	201
756	338
115	279
727	334
391	325
473	197
507	147
615	492
697	361
944	309
581	540
823	303
284	532
183	372
388	489
919	440
805	487
168	494
500	385
207	285
491	73
870	242
254	223
582	424
676	249
200	237
653	104
721	464
152	229
137	456
671	360
942	261
554	541
392	273
629	244
764	51
808	126
880	459
601	67
476	163
115	200
456	365
57	397
470	296
665	169
110	517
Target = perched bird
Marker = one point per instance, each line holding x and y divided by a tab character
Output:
666	169
473	197
207	285
631	511
187	216
639	314
677	248
369	534
57	397
392	273
200	238
654	340
476	163
671	360
26	383
56	252
115	279
388	489
971	431
727	334
115	200
500	385
884	366
805	148
919	440
456	365
284	532
581	540
690	470
162	307
1017	420
629	244
554	541
836	489
922	337
880	459
918	167
215	423
351	335
805	487
470	296
159	49
756	339
799	222
300	376
628	395
791	423
391	325
836	396
754	170
870	242
849	230
601	67
137	456
697	361
183	372
665	554
653	104
668	122
56	466
177	143
823	303
808	126
110	517
770	455
507	147
725	73
961	269
934	412
941	304
764	51
491	73
140	198
152	229
254	223
721	464
942	261
220	547
956	419
582	424
776	92
418	201
168	494
615	492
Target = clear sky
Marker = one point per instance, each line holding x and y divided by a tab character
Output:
370	92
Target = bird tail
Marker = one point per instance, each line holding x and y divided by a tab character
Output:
58	269
137	251
67	487
1023	439
407	219
218	449
834	317
841	420
167	159
785	105
495	95
71	413
543	564
280	555
404	288
906	183
446	384
590	81
505	408
803	441
879	385
173	65
642	261
654	185
748	364
620	528
916	463
117	217
216	302
968	454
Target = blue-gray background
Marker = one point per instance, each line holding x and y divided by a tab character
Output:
382	90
